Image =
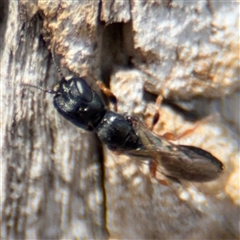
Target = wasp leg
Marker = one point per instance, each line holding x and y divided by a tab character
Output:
107	92
174	137
156	116
153	171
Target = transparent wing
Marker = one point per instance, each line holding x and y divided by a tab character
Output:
176	161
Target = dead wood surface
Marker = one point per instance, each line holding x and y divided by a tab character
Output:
57	181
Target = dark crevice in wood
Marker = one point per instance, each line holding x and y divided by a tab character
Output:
100	150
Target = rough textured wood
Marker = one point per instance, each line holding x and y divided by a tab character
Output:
52	180
115	11
54	183
187	56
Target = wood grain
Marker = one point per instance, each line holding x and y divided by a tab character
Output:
57	181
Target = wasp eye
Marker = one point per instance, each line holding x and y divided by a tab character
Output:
80	89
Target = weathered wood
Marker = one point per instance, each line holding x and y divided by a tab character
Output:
54	181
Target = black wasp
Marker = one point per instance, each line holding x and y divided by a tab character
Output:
76	101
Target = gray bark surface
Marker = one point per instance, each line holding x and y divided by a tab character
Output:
59	182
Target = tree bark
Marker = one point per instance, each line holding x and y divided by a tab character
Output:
59	182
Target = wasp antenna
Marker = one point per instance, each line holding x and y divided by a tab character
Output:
54	59
51	91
